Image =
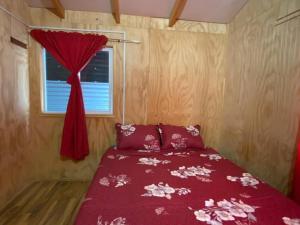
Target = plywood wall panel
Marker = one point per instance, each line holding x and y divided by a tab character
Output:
186	80
15	161
137	80
17	7
288	7
262	93
170	96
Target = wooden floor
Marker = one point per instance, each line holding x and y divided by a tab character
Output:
45	203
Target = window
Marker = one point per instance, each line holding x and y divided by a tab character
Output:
96	83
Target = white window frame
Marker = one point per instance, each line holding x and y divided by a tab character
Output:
111	87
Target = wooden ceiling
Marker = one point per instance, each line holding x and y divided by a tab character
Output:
215	11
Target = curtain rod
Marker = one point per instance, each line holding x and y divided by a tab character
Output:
89	31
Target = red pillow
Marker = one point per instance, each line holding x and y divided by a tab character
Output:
180	137
137	137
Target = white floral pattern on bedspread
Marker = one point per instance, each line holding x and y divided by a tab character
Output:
181	154
144	150
289	221
116	181
204	179
162	190
215	157
246	180
152	143
226	210
178	142
184	172
149	171
245	195
118	157
127	129
193	130
116	221
152	161
160	211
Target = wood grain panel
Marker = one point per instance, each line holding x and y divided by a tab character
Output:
288	7
170	98
137	79
15	161
18	8
261	106
186	80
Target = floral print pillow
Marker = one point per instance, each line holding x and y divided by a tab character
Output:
138	137
180	137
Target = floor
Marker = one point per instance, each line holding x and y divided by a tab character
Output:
45	203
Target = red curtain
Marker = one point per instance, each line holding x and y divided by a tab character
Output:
73	51
296	183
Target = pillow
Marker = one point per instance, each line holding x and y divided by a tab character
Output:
132	136
180	137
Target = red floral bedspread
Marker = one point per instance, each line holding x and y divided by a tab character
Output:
180	188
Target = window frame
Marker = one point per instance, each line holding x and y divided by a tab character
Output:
87	113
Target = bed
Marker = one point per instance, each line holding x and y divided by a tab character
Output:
178	188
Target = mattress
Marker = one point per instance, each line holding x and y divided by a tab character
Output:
180	188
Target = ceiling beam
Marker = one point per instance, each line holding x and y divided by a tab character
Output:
58	9
176	11
116	10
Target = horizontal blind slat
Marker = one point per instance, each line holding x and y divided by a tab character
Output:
96	96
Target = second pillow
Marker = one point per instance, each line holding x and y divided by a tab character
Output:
180	137
133	136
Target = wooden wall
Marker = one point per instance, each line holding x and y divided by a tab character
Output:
262	93
186	80
15	156
175	76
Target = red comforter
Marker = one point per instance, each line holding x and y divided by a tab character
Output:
180	188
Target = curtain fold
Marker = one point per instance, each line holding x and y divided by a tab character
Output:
74	51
